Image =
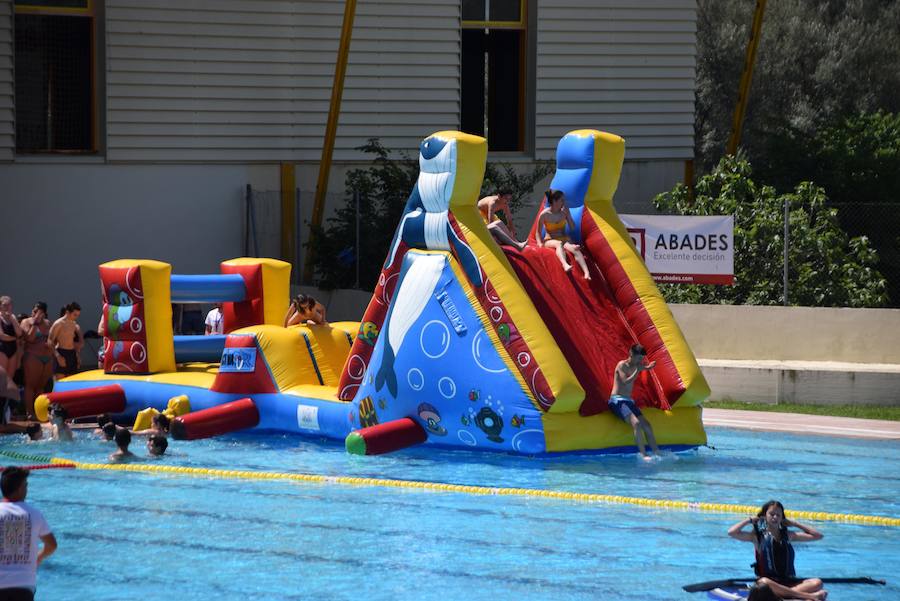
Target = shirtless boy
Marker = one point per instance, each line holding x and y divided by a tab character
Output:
623	406
65	339
503	232
122	454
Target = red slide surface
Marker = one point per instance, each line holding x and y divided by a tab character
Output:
587	324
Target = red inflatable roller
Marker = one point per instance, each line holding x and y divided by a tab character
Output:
87	401
237	415
386	437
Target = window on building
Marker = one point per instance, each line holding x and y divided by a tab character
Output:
54	55
493	72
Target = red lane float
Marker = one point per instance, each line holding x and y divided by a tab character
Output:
222	419
384	438
48	466
87	401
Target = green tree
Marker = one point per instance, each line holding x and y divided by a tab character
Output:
817	64
383	189
825	266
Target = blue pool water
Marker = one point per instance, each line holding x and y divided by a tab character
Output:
134	536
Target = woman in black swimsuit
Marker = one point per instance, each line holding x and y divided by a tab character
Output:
10	332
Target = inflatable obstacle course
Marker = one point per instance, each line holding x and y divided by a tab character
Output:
137	309
464	344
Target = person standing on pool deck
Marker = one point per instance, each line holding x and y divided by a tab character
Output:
21	528
774	554
64	340
621	404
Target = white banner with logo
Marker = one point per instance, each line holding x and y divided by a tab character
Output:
685	249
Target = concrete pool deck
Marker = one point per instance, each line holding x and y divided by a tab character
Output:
802	423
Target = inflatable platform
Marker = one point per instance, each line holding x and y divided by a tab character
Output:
464	343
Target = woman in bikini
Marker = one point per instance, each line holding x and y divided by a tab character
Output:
553	220
38	360
10	333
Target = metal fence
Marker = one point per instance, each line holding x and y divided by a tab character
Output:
880	223
263	224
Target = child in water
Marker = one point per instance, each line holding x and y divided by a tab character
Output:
122	454
59	428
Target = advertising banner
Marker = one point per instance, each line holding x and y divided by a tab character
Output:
680	249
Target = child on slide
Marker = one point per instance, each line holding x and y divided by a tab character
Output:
553	220
503	232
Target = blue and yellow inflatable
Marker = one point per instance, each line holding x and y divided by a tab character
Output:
481	347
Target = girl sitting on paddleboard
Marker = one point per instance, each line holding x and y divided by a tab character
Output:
774	565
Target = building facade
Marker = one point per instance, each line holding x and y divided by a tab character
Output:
132	127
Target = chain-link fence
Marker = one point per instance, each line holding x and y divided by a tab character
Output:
880	223
263	223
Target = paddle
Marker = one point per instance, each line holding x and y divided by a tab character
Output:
708	586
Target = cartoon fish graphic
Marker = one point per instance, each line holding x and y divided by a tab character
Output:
382	404
368	331
517	421
503	332
474	395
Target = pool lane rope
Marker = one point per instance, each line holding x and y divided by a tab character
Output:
29	457
848	518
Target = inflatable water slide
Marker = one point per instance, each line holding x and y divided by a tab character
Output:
464	343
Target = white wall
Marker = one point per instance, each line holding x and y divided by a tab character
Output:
791	333
60	222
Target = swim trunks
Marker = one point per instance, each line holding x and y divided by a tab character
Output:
484	216
71	366
622	407
8	347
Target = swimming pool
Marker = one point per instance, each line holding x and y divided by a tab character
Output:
132	535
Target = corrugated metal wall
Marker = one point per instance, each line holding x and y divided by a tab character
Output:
7	99
231	80
193	80
620	66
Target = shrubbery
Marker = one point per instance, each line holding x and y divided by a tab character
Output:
826	266
384	188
